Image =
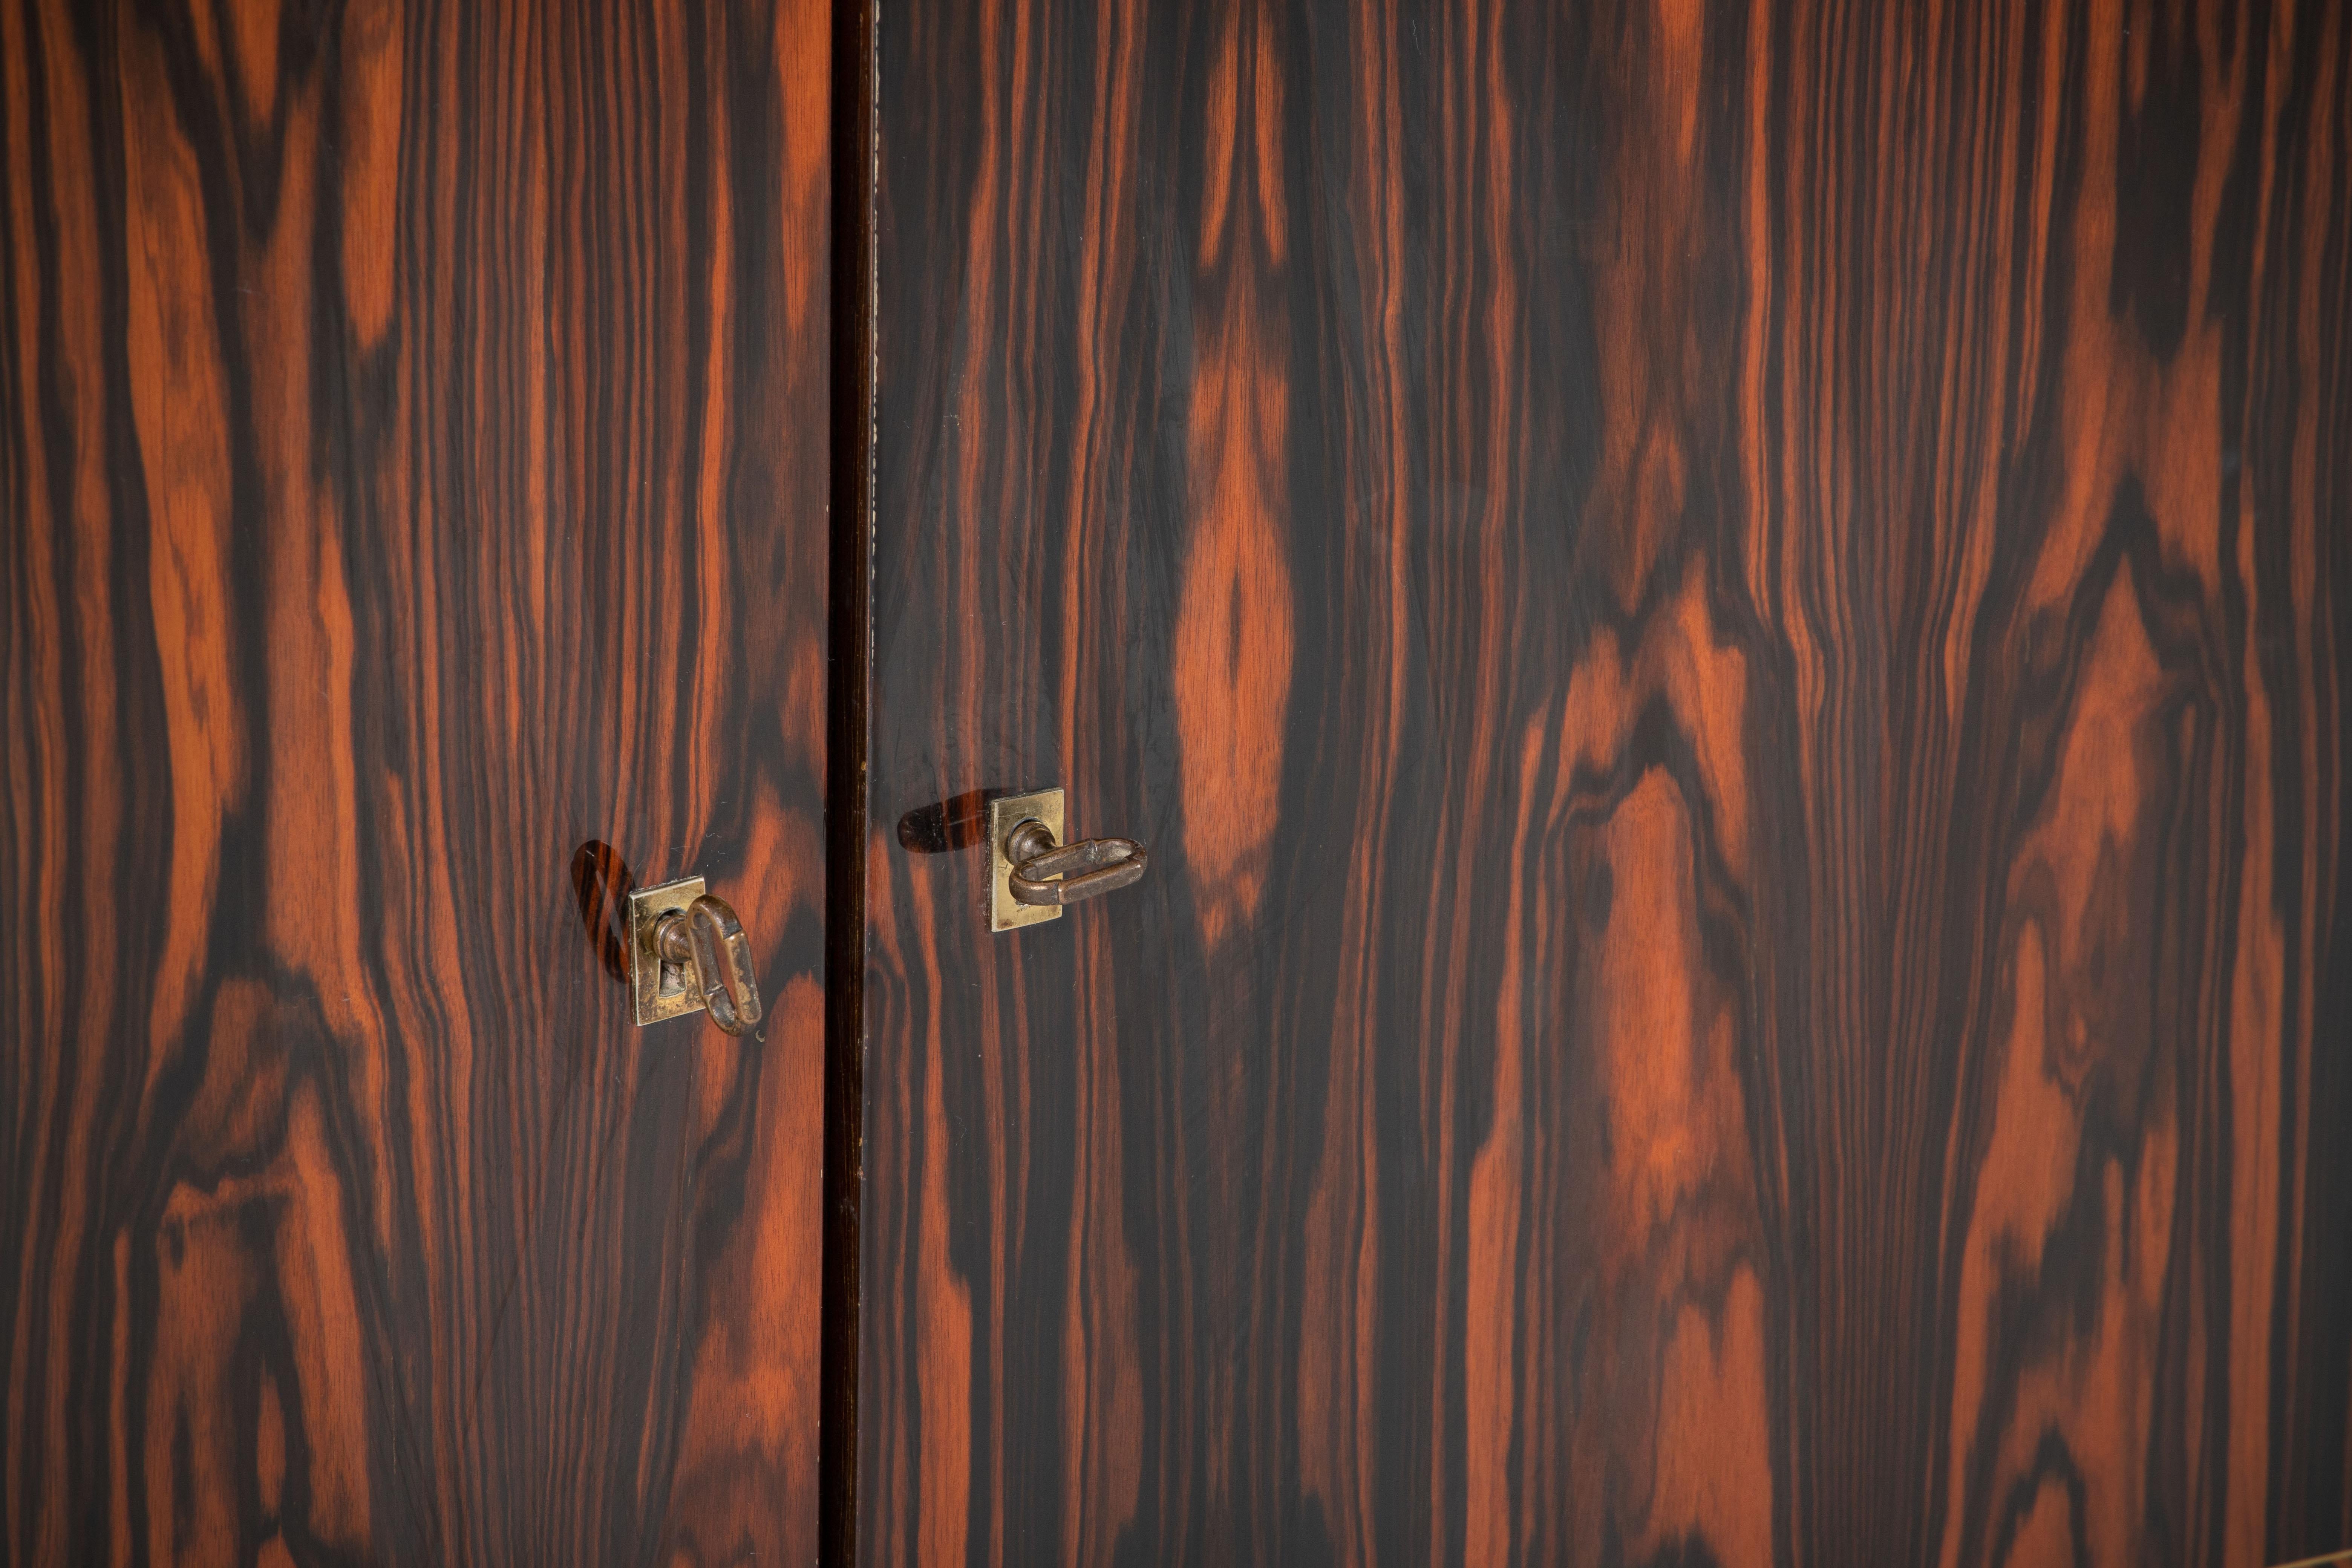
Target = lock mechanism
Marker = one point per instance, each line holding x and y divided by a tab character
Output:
687	952
1033	875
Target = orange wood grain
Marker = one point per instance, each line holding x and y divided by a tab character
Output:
412	435
1728	626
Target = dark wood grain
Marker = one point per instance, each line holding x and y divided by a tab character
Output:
1728	629
849	688
412	446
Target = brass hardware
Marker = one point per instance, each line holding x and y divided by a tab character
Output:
1005	814
661	990
1033	875
710	937
1077	871
688	951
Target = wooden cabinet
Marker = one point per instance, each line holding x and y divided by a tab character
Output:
1726	629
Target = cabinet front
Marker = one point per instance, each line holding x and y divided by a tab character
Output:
1723	629
413	448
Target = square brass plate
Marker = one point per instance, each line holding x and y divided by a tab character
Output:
659	995
1004	814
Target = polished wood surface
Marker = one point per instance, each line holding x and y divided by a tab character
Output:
413	442
1728	630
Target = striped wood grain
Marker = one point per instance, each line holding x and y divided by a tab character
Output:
412	442
1728	629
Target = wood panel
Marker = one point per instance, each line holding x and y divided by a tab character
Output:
1728	626
413	442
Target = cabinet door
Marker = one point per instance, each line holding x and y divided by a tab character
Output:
412	442
1726	628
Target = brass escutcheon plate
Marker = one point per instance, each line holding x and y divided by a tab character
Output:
661	990
1006	812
